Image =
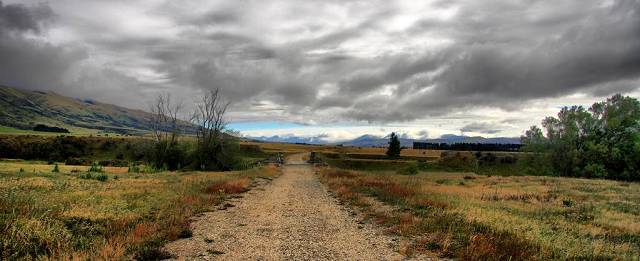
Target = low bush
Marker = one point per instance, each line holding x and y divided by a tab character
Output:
114	163
133	169
101	177
77	161
228	187
95	167
151	169
409	170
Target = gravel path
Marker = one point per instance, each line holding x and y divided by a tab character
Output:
293	217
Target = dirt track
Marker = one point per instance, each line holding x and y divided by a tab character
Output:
293	217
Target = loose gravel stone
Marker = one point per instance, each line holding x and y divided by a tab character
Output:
293	218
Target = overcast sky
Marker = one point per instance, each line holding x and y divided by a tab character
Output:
335	67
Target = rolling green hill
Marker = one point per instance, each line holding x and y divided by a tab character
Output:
22	110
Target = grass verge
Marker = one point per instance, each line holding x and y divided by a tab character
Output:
129	215
474	217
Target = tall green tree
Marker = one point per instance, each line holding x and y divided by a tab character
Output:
601	142
535	160
394	148
616	144
567	136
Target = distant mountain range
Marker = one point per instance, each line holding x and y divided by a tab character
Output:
377	141
291	139
23	109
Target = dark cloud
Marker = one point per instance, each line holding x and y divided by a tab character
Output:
423	134
28	62
20	17
25	63
317	61
501	57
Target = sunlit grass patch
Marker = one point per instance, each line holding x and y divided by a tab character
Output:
475	217
64	216
40	166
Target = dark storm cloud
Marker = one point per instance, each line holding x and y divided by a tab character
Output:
394	70
507	53
26	62
23	18
374	61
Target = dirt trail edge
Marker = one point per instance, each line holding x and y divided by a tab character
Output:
293	217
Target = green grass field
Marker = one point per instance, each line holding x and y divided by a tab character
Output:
105	216
469	216
75	131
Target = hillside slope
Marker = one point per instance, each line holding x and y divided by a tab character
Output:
24	109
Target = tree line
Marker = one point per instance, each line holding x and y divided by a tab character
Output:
467	146
602	141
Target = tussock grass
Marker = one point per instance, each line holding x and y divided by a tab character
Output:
46	215
498	218
40	166
229	186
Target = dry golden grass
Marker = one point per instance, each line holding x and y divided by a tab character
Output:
476	217
286	147
39	166
295	148
63	216
382	151
229	187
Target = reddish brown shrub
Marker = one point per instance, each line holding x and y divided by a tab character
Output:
387	187
498	246
376	183
344	193
430	203
229	187
399	191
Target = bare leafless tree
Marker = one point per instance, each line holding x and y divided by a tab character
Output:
165	125
209	116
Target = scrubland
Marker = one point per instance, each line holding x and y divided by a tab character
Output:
65	215
476	217
433	200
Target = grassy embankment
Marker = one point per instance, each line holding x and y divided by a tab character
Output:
74	131
476	217
74	215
